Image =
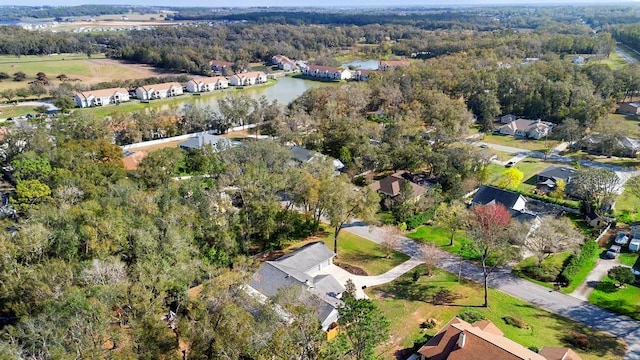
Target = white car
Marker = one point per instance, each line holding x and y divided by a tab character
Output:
621	239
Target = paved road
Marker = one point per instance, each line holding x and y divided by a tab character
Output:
620	326
624	53
624	173
601	269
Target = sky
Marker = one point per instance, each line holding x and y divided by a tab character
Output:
335	3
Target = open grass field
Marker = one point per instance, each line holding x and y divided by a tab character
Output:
630	124
13	111
629	205
528	144
623	301
407	304
76	66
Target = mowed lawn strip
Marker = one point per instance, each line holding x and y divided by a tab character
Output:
441	238
407	304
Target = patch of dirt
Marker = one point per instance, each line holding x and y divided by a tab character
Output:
105	70
352	269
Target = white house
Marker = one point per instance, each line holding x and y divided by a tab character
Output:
101	97
159	91
207	84
507	118
362	75
283	62
534	129
248	78
326	72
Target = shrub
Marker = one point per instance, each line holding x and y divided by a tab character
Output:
427	325
534	349
419	219
471	316
509	320
575	262
622	274
580	341
415	275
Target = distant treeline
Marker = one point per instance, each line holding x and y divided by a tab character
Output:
43	12
628	35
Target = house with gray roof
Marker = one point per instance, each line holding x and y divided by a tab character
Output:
487	194
302	155
548	178
303	269
218	143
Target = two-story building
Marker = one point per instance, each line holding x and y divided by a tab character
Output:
326	72
101	97
207	84
248	78
159	91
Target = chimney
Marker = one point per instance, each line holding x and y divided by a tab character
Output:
462	338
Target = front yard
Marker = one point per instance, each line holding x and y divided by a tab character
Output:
622	301
441	237
527	144
407	304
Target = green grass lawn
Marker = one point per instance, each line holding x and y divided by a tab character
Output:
365	254
628	258
530	168
407	304
614	61
14	111
629	204
441	238
528	144
623	301
630	123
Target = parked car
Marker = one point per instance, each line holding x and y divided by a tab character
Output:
621	239
613	252
509	164
484	146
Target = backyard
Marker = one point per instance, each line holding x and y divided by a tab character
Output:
407	304
530	168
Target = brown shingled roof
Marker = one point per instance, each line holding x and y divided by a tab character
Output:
459	340
103	93
556	353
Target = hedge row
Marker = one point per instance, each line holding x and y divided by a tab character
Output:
419	219
576	262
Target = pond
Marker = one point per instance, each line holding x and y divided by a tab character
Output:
285	90
362	64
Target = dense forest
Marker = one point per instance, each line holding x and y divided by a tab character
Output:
43	12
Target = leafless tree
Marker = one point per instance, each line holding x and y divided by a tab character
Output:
390	239
430	254
552	235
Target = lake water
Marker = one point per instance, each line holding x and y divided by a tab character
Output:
285	90
362	64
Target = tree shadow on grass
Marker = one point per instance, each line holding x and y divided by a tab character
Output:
403	354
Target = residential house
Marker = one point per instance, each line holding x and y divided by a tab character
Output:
326	72
159	91
283	62
219	66
478	341
303	269
301	155
207	84
248	78
131	160
604	144
597	221
548	178
385	65
630	108
487	194
534	129
505	119
391	186
101	97
578	60
483	340
362	75
218	143
558	353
